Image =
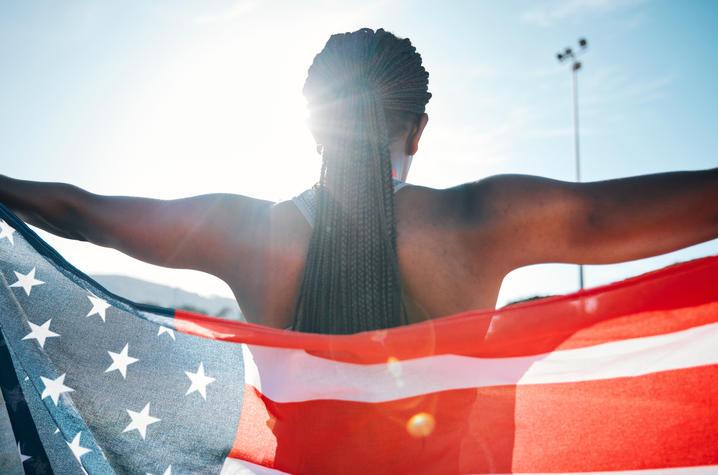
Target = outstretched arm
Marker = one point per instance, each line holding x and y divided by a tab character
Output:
536	220
209	233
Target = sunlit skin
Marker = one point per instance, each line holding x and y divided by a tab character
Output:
455	245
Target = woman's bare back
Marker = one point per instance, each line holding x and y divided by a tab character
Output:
439	274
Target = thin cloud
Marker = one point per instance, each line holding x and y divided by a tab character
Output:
548	13
611	85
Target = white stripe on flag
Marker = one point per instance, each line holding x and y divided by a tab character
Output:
241	467
699	470
288	375
251	372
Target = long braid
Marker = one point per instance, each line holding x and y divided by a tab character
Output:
362	88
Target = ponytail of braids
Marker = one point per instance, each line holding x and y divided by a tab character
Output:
351	280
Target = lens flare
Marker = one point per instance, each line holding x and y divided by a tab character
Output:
420	425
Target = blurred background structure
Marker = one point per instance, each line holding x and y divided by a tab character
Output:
571	56
176	98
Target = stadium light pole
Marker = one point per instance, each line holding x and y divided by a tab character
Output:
571	56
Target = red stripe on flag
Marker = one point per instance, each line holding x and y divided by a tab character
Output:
639	325
531	328
665	419
660	420
254	439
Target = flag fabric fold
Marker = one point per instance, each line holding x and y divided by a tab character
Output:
618	379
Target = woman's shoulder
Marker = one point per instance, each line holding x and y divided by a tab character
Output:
419	204
433	205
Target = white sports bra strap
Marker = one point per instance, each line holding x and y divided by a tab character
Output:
306	201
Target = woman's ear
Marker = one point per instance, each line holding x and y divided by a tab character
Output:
412	145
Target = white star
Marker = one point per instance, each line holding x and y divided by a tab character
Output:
98	307
40	332
23	457
6	231
77	450
140	420
199	381
27	282
169	331
54	387
120	361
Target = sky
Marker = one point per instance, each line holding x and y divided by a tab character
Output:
169	99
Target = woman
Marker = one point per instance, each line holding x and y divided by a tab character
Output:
363	250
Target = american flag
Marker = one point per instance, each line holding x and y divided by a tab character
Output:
617	379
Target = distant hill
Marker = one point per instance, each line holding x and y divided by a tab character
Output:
142	291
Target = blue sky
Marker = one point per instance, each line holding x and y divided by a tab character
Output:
174	98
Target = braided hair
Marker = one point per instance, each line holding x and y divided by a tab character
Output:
363	89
